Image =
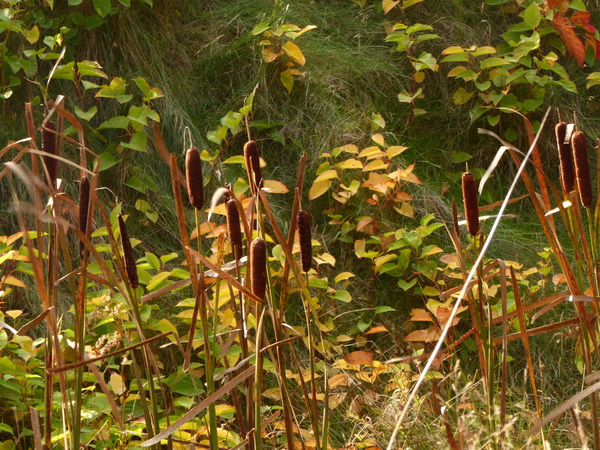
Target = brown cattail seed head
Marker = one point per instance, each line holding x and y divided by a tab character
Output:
49	146
582	168
193	176
258	264
303	224
565	156
469	189
253	166
84	202
233	228
130	267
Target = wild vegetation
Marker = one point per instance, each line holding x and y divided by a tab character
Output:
255	224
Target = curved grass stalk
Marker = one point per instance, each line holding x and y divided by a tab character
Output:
463	291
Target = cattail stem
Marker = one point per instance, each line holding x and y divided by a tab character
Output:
208	361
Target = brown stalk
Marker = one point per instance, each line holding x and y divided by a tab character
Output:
292	233
504	382
160	145
524	339
455	226
469	190
537	163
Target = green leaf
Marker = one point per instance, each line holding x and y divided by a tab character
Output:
86	115
119	122
577	5
342	295
90	69
138	114
461	96
138	142
383	309
102	7
406	285
107	160
260	28
6	428
493	62
237	159
532	15
425	61
459	157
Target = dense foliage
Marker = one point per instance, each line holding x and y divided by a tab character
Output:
241	224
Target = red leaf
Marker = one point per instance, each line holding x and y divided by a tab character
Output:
582	18
561	5
572	42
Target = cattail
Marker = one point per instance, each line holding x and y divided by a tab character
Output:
233	228
253	166
84	201
193	176
130	268
565	157
582	168
49	146
303	224
258	263
469	189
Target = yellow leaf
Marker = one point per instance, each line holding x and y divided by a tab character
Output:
405	209
371	152
325	258
350	148
269	55
395	150
117	385
9	279
388	5
381	260
275	187
294	52
375	165
327	175
351	163
343	276
287	79
319	188
455	71
452	50
32	35
419	77
378	139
